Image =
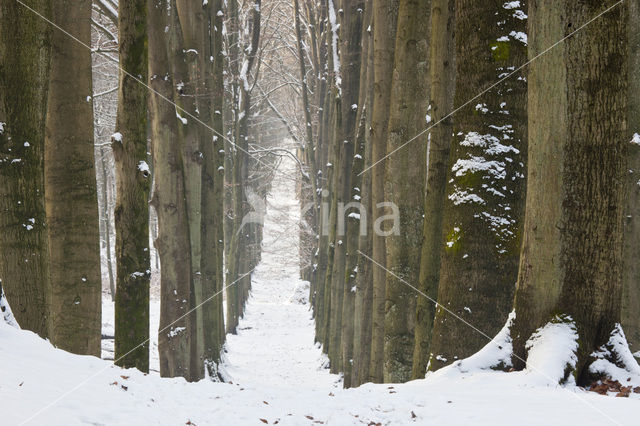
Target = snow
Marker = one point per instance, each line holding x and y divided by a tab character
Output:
334	46
117	137
636	139
279	375
552	351
144	167
520	36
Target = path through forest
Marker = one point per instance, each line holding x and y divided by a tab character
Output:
275	343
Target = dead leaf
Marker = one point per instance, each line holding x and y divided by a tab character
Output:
413	415
125	377
264	421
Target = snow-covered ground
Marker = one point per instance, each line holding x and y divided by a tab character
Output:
278	374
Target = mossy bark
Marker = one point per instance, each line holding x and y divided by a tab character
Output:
572	253
404	184
70	186
442	72
484	209
133	184
24	83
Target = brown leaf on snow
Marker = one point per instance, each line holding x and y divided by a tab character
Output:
265	402
125	377
413	415
624	392
264	421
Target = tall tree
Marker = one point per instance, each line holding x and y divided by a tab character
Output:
385	17
169	201
133	184
442	72
571	263
483	212
631	270
24	81
212	190
70	185
404	183
350	165
363	302
239	262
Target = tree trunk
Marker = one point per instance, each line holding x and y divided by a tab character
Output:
212	191
351	56
70	186
24	82
169	201
631	270
133	182
571	261
385	16
404	184
442	72
483	213
364	281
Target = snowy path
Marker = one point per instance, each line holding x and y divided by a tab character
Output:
275	343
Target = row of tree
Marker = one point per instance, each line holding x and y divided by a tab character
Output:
192	141
501	132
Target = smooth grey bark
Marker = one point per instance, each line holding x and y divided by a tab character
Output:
71	202
572	256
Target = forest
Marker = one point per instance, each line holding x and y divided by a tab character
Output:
319	211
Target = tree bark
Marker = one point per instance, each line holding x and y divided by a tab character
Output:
404	184
70	186
442	72
212	190
572	258
169	201
24	83
351	57
364	281
631	270
483	212
385	16
133	182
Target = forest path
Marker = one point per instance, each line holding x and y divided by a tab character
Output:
275	341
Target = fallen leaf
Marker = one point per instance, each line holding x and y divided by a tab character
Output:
125	377
264	421
413	415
